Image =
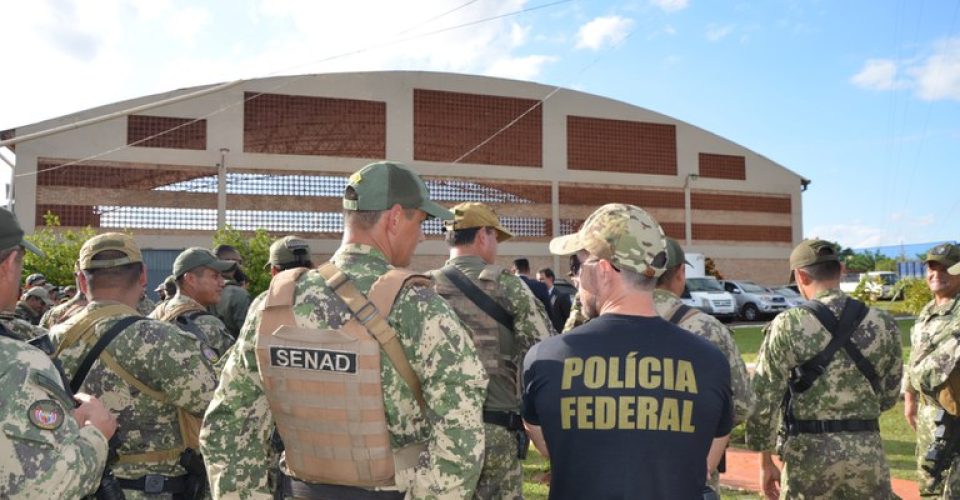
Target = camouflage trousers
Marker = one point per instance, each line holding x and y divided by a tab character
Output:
502	476
950	486
835	465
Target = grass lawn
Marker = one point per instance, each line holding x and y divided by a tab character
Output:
748	339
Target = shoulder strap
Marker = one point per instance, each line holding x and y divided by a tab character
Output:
680	314
278	304
478	296
384	291
85	322
852	314
98	348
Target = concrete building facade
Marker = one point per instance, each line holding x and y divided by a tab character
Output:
276	152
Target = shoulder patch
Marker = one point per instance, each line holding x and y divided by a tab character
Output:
46	414
209	353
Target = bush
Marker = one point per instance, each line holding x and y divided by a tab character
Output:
255	251
916	294
62	249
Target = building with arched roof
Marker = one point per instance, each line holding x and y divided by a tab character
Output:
275	153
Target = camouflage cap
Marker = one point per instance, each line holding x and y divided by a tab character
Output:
288	250
108	241
675	255
38	292
11	234
954	269
472	214
36	279
625	235
195	257
384	184
947	254
167	282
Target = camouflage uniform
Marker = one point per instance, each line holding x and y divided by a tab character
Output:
45	453
20	328
233	306
24	312
61	312
502	476
934	326
577	317
237	426
704	325
211	330
165	359
855	466
145	306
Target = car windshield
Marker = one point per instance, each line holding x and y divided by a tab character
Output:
752	287
704	285
786	292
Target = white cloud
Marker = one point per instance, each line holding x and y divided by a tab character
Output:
877	74
938	77
670	5
851	235
716	32
933	77
519	68
603	31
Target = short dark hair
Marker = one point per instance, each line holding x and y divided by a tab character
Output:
574	265
461	236
548	273
823	271
522	265
124	276
293	265
667	275
361	219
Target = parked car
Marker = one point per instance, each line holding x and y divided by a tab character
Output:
793	297
708	295
754	300
877	284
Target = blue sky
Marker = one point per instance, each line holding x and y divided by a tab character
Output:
862	97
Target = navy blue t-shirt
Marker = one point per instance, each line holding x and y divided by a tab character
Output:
629	406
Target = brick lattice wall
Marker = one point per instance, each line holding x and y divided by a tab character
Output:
740	203
723	166
596	196
447	125
621	146
175	133
307	125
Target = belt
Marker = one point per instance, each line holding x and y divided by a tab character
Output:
299	489
512	421
155	483
824	426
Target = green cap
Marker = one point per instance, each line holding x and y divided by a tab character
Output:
954	269
109	241
384	184
195	257
288	250
675	255
168	283
11	234
623	234
947	254
810	252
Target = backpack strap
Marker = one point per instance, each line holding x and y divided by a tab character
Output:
478	297
85	321
384	292
94	354
680	314
803	376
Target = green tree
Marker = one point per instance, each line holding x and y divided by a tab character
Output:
916	294
255	251
62	249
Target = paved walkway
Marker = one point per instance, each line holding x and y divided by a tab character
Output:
743	473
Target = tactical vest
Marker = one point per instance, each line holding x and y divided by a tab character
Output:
183	315
494	343
324	387
83	331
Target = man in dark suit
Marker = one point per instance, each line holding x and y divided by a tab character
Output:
521	267
559	300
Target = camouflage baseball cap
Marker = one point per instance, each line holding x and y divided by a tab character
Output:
11	234
195	257
36	279
954	269
384	184
38	292
947	254
623	234
287	250
675	255
108	241
471	214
